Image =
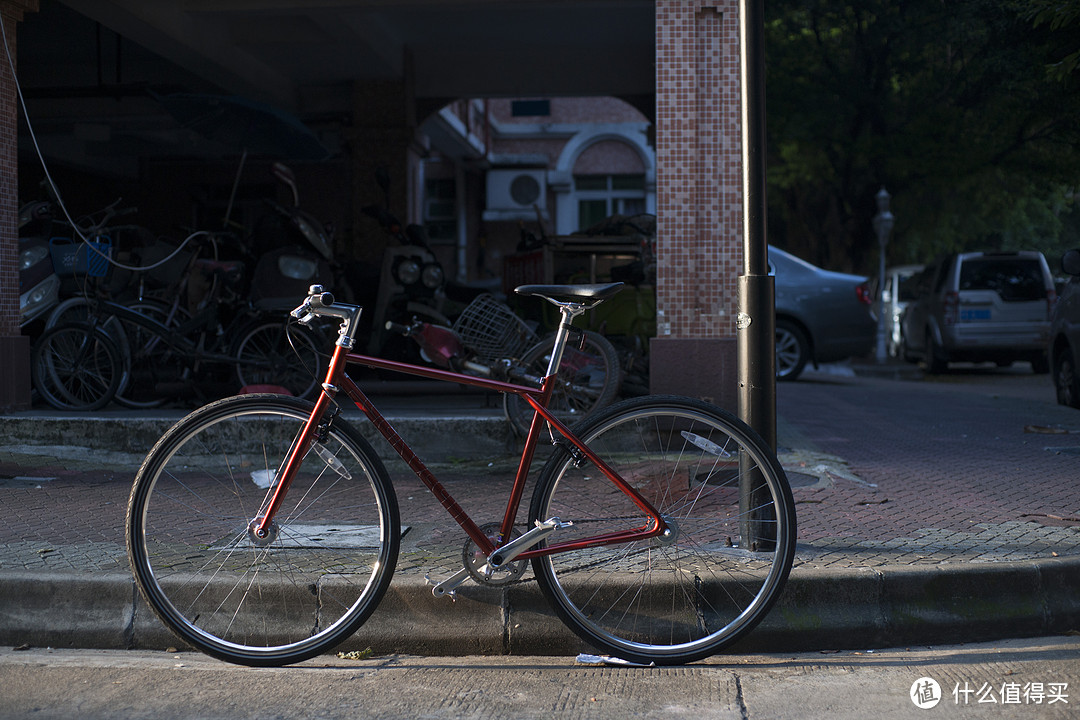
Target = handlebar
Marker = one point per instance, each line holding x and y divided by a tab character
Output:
399	329
320	303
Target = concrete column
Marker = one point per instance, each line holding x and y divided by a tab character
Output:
14	348
699	199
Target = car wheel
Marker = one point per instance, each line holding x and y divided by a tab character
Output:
936	360
1066	380
792	350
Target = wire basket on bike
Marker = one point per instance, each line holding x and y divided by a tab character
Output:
492	330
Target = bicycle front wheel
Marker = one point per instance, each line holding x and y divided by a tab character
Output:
730	538
330	555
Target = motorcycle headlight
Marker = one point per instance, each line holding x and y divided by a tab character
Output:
40	299
296	267
407	271
432	275
32	256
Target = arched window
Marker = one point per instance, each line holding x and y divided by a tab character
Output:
609	179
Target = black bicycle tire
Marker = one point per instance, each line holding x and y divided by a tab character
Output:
682	597
314	365
520	413
218	572
103	388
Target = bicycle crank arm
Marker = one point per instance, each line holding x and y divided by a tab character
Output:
449	585
512	549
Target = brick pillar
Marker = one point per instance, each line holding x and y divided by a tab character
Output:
14	348
699	199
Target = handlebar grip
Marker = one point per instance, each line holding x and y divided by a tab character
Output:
398	328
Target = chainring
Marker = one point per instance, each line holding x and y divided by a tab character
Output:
476	562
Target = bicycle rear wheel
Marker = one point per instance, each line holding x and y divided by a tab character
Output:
330	555
76	367
729	547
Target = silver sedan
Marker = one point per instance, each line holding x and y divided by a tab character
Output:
821	316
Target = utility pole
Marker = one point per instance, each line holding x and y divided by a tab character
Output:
756	322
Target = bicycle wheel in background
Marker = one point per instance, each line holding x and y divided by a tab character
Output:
589	379
76	367
280	353
148	363
330	555
153	367
712	577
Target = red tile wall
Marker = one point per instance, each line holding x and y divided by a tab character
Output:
9	186
699	190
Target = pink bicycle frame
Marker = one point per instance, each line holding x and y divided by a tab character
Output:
339	381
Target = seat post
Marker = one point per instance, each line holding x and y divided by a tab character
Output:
569	311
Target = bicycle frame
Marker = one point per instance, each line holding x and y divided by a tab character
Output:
338	381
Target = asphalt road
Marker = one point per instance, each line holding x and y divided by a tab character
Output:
1037	678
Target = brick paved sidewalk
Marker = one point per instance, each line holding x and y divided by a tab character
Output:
970	479
915	472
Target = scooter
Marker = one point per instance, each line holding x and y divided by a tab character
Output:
39	285
411	282
293	251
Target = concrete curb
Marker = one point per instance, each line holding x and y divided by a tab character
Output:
819	610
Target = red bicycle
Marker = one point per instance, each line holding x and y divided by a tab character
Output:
263	529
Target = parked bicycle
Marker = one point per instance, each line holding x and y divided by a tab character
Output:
158	352
264	529
489	340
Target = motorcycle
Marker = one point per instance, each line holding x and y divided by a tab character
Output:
293	251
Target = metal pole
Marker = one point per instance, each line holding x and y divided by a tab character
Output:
883	224
756	320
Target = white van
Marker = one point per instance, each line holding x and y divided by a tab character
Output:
982	306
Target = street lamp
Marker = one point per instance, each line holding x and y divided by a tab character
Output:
883	225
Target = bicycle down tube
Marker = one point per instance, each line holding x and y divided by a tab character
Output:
339	381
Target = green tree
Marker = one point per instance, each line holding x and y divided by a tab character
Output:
947	103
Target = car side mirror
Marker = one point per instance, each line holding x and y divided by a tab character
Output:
1070	262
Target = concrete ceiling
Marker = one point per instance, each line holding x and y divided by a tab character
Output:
85	65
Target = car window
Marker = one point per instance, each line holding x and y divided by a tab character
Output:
1013	279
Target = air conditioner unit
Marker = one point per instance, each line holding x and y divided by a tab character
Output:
516	190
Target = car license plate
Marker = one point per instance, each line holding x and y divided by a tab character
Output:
974	315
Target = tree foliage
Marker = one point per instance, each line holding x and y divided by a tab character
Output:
948	104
